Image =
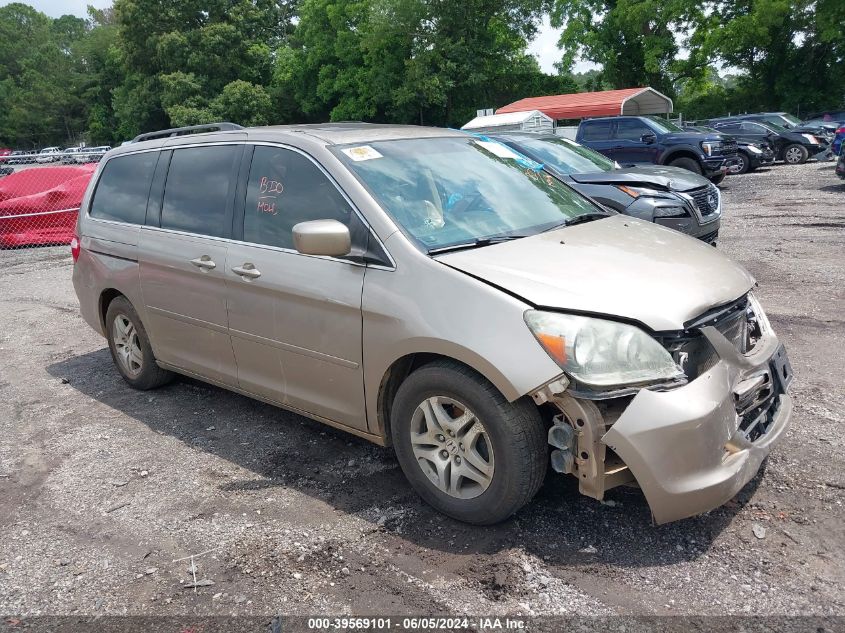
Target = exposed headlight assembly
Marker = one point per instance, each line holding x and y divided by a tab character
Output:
754	149
602	353
709	147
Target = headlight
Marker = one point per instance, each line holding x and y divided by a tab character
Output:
811	138
754	149
671	212
601	353
708	147
636	192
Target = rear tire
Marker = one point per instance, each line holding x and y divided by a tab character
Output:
687	163
464	448
795	154
130	347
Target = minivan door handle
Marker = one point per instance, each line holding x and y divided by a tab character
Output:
205	262
247	270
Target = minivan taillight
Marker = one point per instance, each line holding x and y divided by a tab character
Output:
841	130
75	247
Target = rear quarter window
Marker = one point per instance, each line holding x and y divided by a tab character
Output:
123	188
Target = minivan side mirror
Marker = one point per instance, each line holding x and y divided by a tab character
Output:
648	138
322	237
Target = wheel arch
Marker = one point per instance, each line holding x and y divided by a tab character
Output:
405	365
106	297
680	152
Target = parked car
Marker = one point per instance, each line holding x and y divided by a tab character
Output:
69	155
5	152
668	196
751	154
40	206
92	154
791	147
792	123
49	155
633	140
20	157
439	293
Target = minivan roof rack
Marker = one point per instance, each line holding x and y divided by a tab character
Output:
188	129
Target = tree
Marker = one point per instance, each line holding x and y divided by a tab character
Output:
789	53
181	56
636	42
39	78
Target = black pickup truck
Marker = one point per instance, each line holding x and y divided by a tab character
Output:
638	140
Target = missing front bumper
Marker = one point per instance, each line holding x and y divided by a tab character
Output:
692	448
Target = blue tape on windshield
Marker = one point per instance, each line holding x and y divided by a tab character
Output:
522	161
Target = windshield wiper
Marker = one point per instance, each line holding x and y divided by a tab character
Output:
579	219
480	241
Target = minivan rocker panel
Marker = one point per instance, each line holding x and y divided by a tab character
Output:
621	267
435	347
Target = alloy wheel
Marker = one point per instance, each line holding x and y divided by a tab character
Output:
793	155
127	345
452	447
742	167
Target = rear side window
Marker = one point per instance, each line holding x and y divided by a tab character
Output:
595	130
284	189
754	127
631	129
198	191
123	188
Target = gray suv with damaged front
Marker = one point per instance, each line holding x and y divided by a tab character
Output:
441	294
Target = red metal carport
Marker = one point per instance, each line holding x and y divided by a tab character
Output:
631	101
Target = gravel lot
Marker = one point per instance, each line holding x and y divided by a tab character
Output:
106	492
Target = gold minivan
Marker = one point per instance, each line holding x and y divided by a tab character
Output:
439	293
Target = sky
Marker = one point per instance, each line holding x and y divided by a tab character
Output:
544	47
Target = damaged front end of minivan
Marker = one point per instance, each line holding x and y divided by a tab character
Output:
686	415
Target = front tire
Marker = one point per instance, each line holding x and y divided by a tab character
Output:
464	448
795	154
130	347
717	179
744	164
687	163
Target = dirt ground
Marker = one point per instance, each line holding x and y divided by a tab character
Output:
106	492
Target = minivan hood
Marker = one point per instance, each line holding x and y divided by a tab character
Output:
671	178
618	266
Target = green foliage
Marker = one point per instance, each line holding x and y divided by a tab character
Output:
785	54
149	64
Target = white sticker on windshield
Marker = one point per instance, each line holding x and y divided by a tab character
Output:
497	149
362	152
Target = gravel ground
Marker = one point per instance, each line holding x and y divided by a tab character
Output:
105	492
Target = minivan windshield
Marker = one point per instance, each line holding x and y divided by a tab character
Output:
663	125
449	191
564	155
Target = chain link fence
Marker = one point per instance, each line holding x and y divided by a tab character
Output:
40	195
